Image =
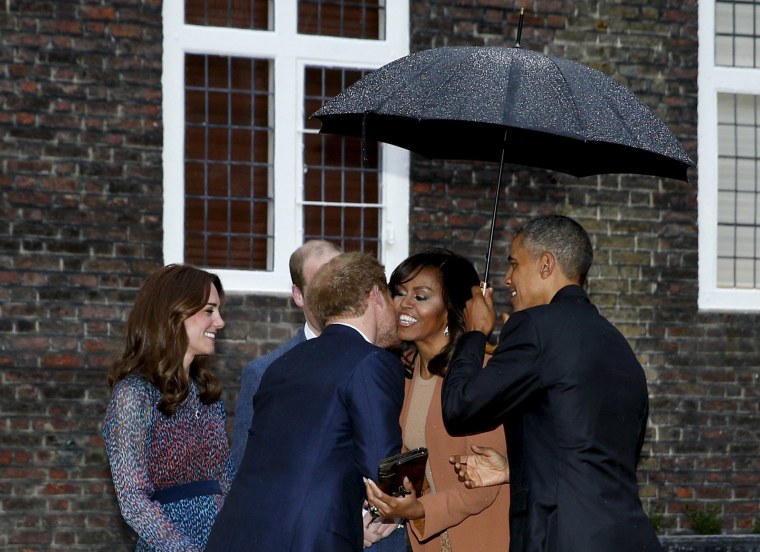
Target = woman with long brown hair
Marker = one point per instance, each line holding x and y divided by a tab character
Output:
164	429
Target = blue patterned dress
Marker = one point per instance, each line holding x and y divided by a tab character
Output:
149	451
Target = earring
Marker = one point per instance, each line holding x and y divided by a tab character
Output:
446	331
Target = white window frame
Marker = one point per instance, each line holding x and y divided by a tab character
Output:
290	53
711	81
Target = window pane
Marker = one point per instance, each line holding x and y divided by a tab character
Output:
726	207
737	36
335	224
745	18
240	14
738	192
345	18
745	273
341	190
745	209
228	163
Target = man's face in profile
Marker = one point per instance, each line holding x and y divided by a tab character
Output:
523	278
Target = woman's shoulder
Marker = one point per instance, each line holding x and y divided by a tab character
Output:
133	401
136	387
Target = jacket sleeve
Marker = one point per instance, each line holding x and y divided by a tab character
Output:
452	502
478	399
229	466
126	433
249	383
376	393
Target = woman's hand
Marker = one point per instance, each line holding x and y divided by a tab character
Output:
407	506
484	468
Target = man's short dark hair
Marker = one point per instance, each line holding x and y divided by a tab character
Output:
562	237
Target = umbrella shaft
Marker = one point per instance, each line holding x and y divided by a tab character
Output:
495	210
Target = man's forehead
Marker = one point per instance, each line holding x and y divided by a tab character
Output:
515	246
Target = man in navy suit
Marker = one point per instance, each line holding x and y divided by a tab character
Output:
570	393
327	412
304	264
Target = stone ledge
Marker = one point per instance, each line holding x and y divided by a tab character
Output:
711	543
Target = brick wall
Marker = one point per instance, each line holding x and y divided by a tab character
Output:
81	204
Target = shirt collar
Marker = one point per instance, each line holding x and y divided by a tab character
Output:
308	332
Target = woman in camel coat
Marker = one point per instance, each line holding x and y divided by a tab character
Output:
430	290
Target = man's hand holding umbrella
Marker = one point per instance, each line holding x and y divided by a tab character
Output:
479	313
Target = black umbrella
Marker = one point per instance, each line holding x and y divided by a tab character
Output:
509	105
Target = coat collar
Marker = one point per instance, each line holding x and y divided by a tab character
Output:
572	293
345	329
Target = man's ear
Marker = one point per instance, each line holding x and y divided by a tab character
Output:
297	296
378	297
548	265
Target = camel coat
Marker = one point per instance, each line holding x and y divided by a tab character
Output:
477	520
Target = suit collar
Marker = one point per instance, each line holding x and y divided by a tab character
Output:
343	328
572	293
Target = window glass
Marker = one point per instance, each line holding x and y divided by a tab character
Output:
363	19
341	193
738	194
228	162
737	40
242	14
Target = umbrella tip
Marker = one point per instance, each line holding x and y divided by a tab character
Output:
519	27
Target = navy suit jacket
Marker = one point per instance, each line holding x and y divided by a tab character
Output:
573	400
327	412
249	384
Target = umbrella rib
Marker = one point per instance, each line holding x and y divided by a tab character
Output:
433	91
578	111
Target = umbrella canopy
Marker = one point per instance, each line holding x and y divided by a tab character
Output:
481	103
509	105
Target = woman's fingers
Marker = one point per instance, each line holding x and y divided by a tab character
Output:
375	498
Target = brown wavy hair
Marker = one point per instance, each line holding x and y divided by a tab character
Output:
339	289
156	340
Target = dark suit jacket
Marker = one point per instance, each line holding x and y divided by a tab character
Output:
249	384
326	412
573	400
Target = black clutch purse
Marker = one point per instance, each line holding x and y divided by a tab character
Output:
392	470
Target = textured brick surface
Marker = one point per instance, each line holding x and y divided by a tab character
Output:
81	225
81	203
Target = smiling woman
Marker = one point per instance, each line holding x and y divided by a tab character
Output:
164	430
202	327
430	290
